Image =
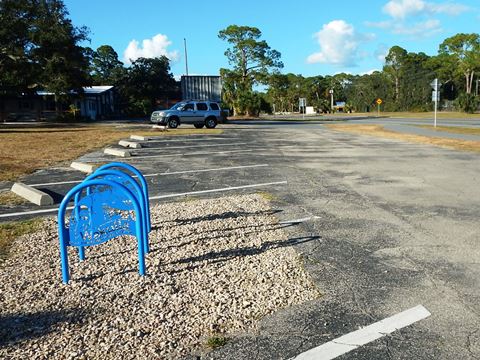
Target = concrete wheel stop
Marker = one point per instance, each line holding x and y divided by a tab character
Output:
31	194
83	167
117	152
130	144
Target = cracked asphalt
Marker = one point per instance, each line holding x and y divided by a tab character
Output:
397	226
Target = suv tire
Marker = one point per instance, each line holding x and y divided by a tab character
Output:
173	123
210	122
199	126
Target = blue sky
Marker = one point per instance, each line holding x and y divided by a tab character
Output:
314	37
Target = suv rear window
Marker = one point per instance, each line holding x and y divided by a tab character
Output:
202	106
214	106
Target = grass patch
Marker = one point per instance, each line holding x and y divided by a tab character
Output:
215	342
10	231
452	129
9	198
26	149
267	196
425	115
380	131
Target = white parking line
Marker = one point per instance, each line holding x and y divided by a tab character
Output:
298	221
177	139
181	154
218	190
191	146
170	155
52	210
164	174
182	140
355	339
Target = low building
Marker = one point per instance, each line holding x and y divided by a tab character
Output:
96	102
339	106
201	87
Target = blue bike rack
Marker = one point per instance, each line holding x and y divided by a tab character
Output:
140	178
130	183
107	204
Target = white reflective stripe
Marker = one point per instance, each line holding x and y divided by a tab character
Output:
188	146
162	174
179	154
297	221
52	210
218	190
355	339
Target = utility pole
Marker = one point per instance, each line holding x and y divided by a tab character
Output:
476	92
331	100
186	58
185	94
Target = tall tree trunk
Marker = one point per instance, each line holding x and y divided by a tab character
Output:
397	91
471	81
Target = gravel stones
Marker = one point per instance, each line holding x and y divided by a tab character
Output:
216	266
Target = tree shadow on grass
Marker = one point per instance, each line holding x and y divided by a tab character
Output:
15	328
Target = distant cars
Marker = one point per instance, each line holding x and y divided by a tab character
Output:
198	113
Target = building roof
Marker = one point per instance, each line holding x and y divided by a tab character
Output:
86	89
97	89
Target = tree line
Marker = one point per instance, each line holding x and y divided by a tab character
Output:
40	49
403	84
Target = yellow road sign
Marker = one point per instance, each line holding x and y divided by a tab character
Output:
379	101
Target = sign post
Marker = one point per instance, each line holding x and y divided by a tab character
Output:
379	102
435	84
302	104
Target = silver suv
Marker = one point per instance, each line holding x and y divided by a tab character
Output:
198	113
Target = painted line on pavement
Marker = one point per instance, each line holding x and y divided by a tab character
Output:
355	339
218	190
52	210
164	174
182	140
170	155
190	146
298	221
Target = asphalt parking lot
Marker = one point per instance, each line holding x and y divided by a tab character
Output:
387	226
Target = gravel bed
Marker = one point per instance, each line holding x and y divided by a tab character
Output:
216	266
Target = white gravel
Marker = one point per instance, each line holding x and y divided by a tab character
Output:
216	266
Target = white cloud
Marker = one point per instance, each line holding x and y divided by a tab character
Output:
150	48
400	9
339	44
447	8
381	52
419	29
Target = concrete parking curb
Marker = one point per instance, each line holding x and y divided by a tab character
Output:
83	167
117	152
31	194
130	144
140	137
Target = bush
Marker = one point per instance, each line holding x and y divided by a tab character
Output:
467	103
248	103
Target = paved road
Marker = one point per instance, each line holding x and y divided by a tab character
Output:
397	227
412	129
